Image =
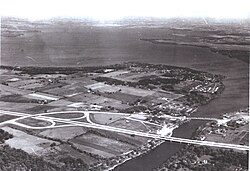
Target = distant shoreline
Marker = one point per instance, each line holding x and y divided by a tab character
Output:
242	55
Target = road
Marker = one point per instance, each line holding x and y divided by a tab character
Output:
91	124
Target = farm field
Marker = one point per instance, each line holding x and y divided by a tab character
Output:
99	116
29	143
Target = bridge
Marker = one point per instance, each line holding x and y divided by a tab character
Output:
201	118
90	124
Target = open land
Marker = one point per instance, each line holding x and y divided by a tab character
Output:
137	105
104	117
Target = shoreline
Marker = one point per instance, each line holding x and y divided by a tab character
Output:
201	132
161	142
224	50
120	65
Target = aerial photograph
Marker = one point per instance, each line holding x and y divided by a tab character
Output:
121	85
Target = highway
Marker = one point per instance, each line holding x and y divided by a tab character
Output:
90	124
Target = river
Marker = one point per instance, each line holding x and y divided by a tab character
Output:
233	98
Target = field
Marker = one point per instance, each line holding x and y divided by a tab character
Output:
34	122
13	90
100	145
126	91
29	143
40	108
135	91
65	133
6	117
42	96
60	103
105	119
23	83
85	100
67	90
17	99
66	115
116	74
17	107
125	98
130	125
31	86
104	88
66	150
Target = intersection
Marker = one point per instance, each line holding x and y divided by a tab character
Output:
90	124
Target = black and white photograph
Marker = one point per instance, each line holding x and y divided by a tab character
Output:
124	85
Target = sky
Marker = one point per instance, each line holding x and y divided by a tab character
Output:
118	9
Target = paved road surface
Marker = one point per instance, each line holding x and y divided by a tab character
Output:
91	124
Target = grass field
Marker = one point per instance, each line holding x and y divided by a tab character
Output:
40	108
42	96
29	143
31	86
60	102
6	117
104	119
107	146
65	150
17	99
23	83
66	115
88	99
125	98
17	107
67	90
34	122
135	91
65	133
130	125
13	90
